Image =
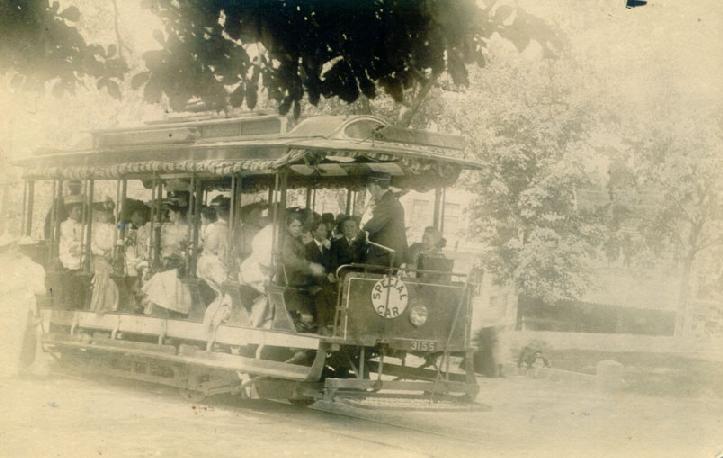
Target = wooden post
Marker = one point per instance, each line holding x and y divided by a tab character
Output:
30	208
196	223
347	208
441	213
437	209
152	220
89	226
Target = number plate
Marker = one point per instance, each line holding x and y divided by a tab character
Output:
421	345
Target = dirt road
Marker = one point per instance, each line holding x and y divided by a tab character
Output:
74	417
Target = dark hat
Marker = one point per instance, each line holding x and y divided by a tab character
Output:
378	177
220	201
177	198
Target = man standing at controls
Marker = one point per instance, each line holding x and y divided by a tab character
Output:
385	223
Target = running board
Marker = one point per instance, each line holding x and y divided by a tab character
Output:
188	355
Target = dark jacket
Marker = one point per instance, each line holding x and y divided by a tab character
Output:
318	255
386	227
342	252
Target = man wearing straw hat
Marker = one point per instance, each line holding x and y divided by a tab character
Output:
21	280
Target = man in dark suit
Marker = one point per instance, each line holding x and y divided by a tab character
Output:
344	250
386	224
319	249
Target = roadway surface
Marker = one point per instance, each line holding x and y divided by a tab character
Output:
67	416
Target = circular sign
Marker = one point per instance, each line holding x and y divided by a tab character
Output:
389	297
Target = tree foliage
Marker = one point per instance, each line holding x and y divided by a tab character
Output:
319	48
40	43
531	136
677	159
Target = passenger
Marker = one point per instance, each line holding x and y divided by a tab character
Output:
208	217
165	294
73	189
330	222
383	223
212	261
255	273
432	245
251	224
318	249
104	297
216	239
137	247
70	253
174	234
345	250
297	271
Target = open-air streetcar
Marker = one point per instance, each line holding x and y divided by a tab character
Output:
394	331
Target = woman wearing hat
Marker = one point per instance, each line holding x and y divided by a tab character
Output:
165	294
104	297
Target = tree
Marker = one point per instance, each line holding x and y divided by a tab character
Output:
40	43
531	135
679	164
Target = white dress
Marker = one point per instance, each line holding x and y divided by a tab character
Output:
165	289
69	247
105	294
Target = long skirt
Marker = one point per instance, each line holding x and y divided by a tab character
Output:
167	291
105	296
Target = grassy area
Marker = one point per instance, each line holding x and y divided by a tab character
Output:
658	374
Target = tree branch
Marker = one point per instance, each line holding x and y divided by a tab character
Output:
406	117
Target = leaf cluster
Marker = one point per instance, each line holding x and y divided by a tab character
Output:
41	43
222	52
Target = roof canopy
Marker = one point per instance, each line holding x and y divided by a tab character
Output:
324	149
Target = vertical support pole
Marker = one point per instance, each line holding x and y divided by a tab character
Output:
152	221
88	227
117	232
191	217
122	204
441	213
196	223
347	207
275	208
159	220
30	208
362	357
53	234
309	201
437	209
25	207
83	217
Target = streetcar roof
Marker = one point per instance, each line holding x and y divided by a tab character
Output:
319	148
